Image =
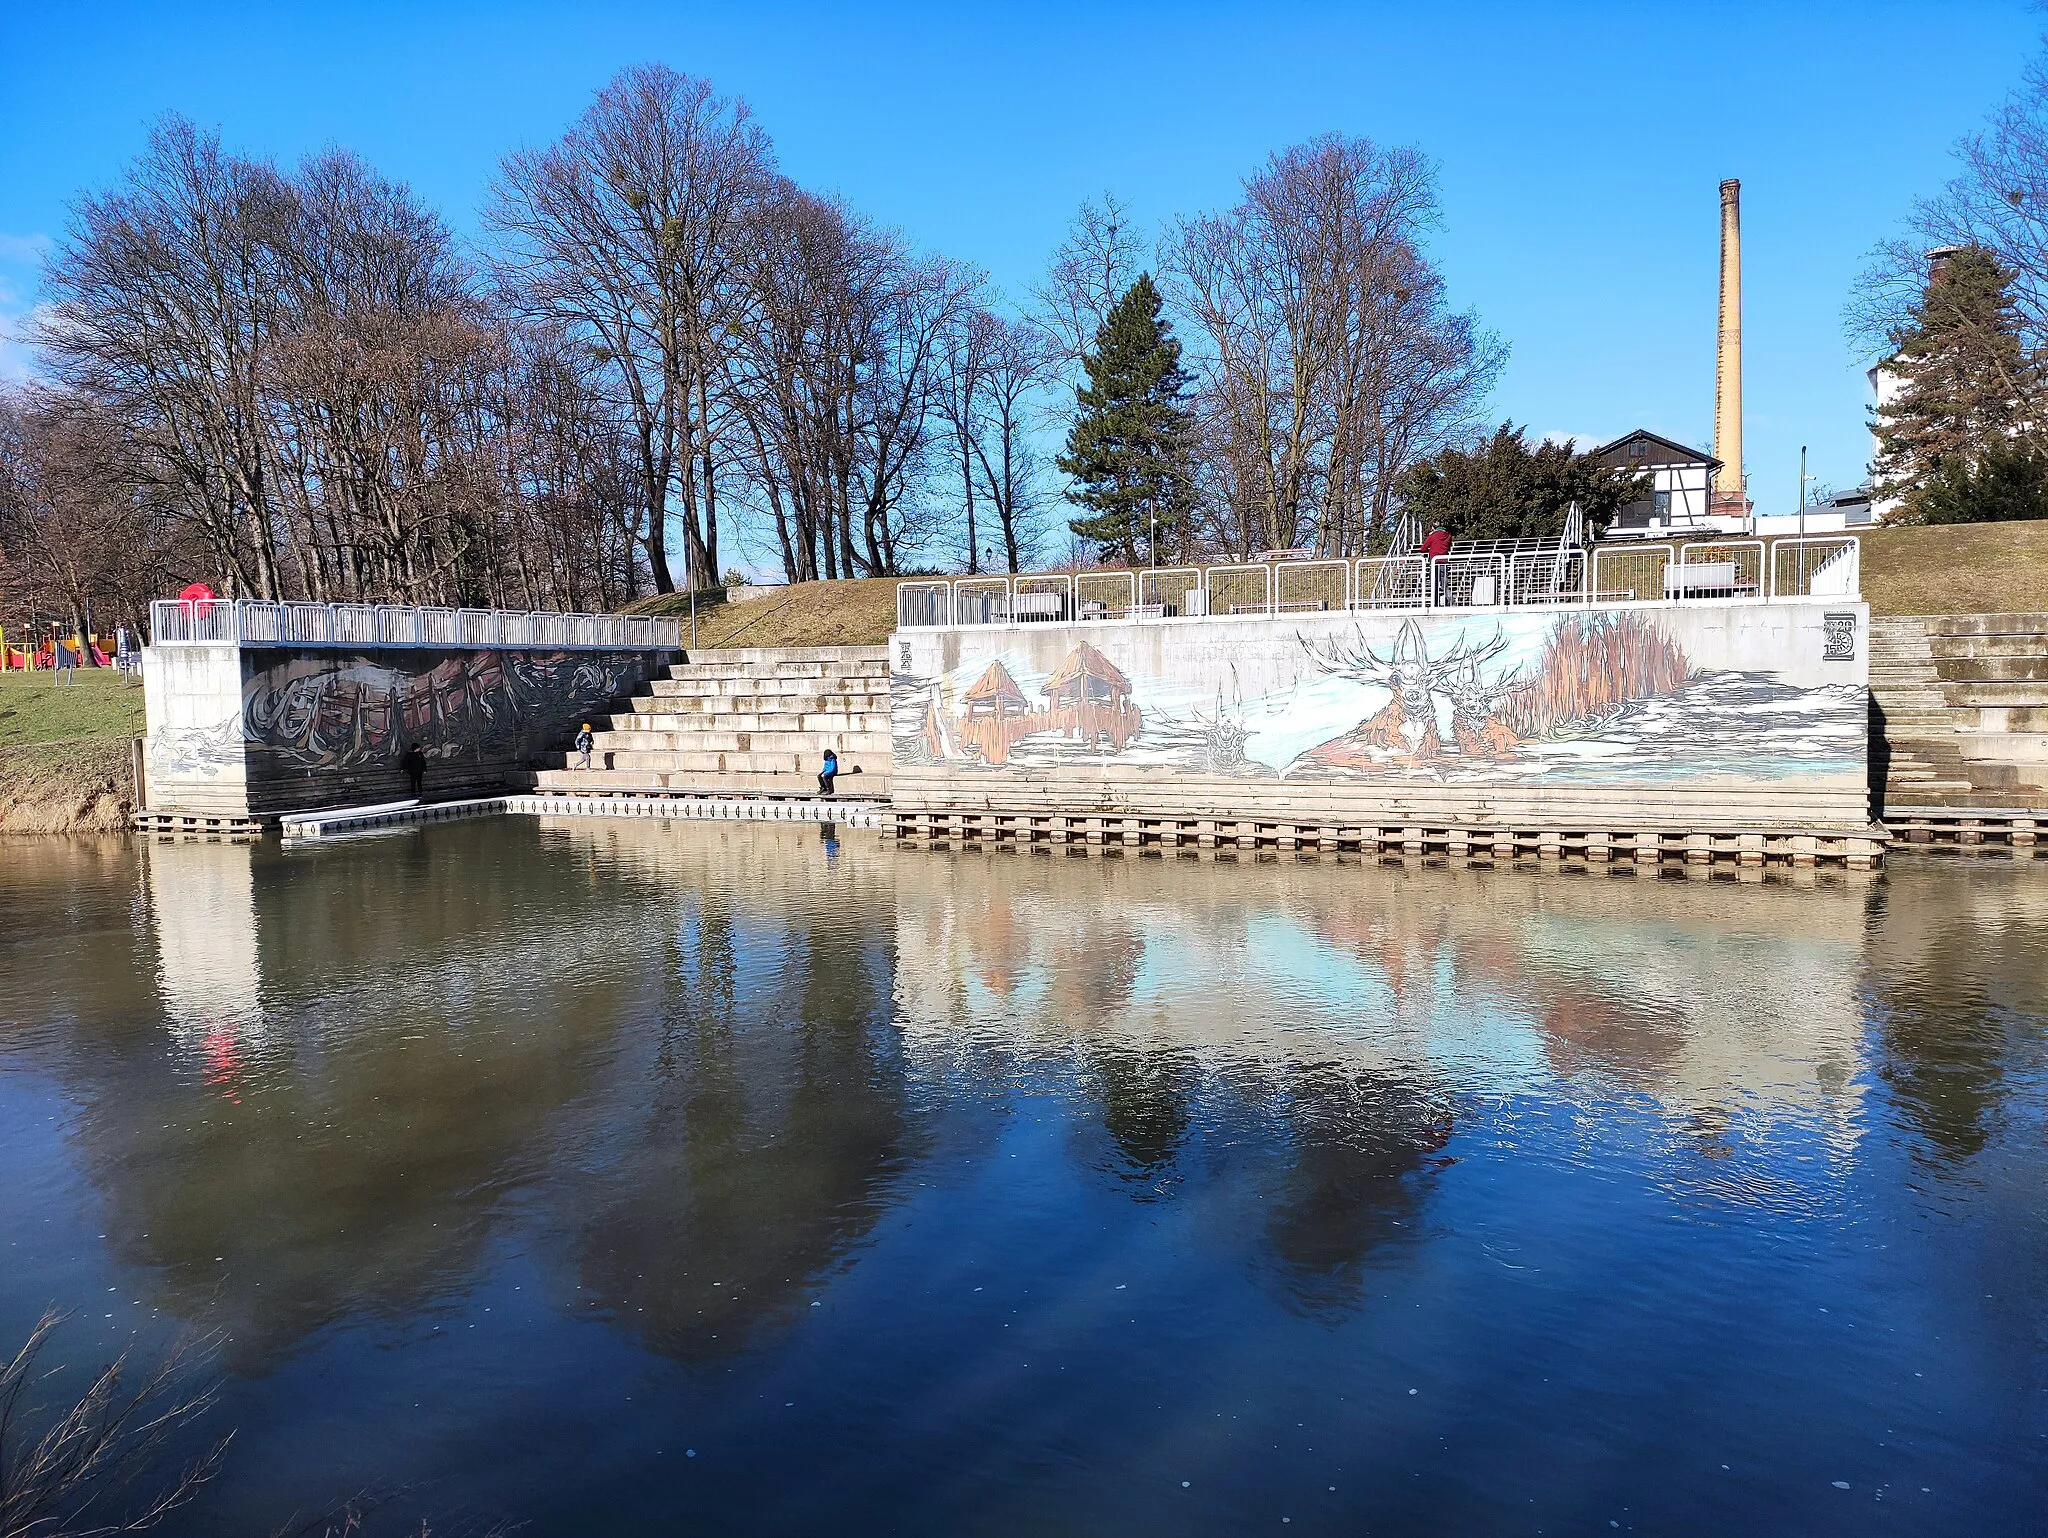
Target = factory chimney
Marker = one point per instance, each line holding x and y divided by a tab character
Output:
1728	499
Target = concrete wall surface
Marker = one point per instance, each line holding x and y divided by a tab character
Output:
1735	715
258	730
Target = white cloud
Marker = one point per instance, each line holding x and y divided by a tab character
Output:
27	250
1578	443
17	362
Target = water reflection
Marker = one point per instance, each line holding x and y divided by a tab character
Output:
710	1090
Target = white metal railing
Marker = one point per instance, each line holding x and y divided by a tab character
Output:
1391	582
1310	586
1816	566
188	622
1239	589
1630	573
1705	571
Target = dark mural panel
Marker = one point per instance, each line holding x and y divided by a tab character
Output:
325	725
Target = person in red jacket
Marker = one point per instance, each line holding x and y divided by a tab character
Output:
1437	543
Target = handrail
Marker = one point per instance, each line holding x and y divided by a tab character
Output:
251	622
1737	570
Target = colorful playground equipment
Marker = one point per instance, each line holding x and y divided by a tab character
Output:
41	655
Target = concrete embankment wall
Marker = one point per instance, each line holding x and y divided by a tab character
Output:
1738	715
257	730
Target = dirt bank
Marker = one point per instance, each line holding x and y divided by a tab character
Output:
65	787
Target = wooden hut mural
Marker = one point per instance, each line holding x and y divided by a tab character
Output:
1090	698
994	713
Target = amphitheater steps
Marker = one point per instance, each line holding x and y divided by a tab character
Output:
753	722
1962	701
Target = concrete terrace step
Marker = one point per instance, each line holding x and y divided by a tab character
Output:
746	721
797	743
687	686
865	787
712	761
779	656
2033	623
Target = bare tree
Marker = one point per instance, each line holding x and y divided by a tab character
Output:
628	230
165	306
1090	271
79	537
1998	199
835	367
1328	358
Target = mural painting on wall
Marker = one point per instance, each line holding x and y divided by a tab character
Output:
345	711
1576	698
350	710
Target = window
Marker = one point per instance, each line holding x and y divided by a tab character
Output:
1663	505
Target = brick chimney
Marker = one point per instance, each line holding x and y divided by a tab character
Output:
1729	498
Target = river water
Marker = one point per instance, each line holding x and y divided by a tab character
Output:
643	1177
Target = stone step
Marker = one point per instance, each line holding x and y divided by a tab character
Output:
738	721
1947	800
1995	670
699	702
779	656
2004	694
798	744
851	787
699	761
1979	647
716	689
877	670
2034	623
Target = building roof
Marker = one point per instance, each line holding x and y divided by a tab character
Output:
1086	662
1680	453
998	686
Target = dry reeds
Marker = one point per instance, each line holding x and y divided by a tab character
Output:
64	1482
1592	665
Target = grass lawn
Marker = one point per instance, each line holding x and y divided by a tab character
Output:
857	613
1957	568
64	751
101	705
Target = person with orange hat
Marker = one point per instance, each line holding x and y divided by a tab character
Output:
584	743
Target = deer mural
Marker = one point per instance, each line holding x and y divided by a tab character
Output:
1477	726
1407	723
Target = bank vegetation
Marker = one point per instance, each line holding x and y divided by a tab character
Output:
661	358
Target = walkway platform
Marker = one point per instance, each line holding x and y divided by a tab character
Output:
848	812
392	814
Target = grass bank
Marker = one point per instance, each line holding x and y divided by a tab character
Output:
1957	568
861	612
64	752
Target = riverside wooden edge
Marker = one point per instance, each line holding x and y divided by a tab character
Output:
1861	849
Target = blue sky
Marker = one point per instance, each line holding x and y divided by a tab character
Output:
1580	146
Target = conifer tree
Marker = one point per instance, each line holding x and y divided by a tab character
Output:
1969	384
1127	450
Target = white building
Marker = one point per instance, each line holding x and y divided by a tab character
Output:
1681	487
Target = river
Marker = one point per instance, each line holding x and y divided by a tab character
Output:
620	1177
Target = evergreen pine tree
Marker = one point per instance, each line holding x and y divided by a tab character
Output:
1969	383
1127	450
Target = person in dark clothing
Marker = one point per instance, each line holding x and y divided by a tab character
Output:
829	773
415	765
584	743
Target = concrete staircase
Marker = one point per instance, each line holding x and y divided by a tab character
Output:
752	722
1959	710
